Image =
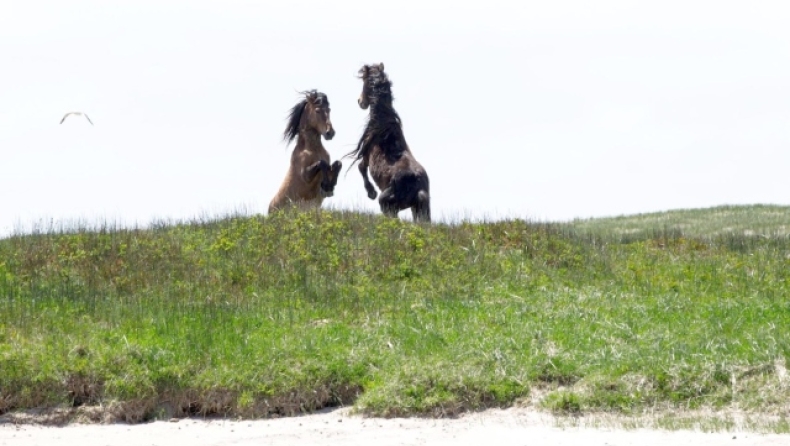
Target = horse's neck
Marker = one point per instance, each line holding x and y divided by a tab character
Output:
384	125
309	141
383	112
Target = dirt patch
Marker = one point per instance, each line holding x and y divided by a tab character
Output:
212	404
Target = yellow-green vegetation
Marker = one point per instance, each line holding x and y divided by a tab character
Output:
765	220
252	316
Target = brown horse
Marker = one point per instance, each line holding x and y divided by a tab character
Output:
383	149
310	177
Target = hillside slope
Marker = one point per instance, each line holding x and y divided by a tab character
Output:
261	316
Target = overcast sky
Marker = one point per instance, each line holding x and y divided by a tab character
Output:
546	110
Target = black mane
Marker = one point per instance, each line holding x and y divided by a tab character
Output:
295	115
384	127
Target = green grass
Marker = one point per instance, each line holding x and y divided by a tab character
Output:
765	220
260	316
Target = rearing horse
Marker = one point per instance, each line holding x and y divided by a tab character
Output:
310	178
383	150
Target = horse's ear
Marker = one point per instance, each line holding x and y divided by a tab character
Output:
311	95
381	66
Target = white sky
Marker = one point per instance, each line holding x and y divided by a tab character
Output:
540	109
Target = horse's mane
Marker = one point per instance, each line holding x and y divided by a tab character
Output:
295	115
384	127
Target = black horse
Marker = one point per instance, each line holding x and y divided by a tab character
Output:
383	149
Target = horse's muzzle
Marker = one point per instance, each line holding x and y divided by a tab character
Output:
330	134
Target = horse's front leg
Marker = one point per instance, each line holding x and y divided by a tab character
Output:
363	169
309	172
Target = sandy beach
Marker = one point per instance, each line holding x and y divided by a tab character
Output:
499	427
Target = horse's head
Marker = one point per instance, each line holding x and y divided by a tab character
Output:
370	75
317	114
329	182
312	113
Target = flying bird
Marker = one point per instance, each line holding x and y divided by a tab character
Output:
76	114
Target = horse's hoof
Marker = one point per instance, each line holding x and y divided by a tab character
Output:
372	195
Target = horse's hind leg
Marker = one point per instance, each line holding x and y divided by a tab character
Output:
421	211
388	202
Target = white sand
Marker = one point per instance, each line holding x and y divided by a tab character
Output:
493	427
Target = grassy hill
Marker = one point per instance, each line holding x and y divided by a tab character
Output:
262	316
766	220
